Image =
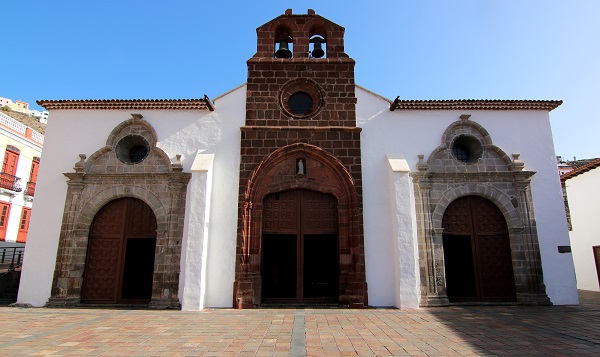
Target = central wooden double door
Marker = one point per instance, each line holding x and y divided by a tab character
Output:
120	256
300	260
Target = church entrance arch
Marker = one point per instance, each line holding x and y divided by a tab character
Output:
323	193
300	248
120	256
477	252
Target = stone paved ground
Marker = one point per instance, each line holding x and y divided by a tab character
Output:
448	331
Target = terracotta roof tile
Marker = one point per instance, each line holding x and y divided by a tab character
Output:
476	104
578	163
580	170
129	104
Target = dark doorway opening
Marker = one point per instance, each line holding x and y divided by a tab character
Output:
138	269
279	266
300	260
477	253
120	257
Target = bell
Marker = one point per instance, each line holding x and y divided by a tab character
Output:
317	51
283	51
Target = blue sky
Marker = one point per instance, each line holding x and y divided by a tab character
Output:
426	49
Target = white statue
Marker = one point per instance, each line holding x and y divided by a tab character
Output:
300	167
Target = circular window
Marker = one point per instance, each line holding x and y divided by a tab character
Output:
132	149
467	149
301	98
300	103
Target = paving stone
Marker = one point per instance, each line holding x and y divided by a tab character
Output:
443	331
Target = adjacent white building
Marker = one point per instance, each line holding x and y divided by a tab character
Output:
22	148
582	195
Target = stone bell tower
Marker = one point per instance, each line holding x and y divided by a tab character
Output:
300	171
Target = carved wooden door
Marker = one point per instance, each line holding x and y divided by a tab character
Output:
477	253
120	256
300	248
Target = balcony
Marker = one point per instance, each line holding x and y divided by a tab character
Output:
30	190
10	182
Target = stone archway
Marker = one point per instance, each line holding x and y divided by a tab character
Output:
300	166
105	177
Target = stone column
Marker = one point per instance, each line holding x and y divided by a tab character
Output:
165	287
533	276
68	275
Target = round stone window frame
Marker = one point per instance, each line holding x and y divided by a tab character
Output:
471	144
125	145
301	85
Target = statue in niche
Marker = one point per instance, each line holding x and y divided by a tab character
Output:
300	167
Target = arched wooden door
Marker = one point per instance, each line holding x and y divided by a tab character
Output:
477	253
300	257
120	256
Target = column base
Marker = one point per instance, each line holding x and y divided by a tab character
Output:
161	304
63	302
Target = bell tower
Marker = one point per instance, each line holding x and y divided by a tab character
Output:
300	134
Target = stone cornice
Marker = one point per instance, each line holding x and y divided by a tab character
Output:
505	176
181	177
300	128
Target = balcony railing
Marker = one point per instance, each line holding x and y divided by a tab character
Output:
30	190
10	182
11	258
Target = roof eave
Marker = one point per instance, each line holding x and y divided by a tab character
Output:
128	104
477	104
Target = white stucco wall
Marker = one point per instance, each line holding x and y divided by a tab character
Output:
583	196
404	134
411	133
72	132
224	143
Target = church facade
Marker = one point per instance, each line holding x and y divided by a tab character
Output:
298	187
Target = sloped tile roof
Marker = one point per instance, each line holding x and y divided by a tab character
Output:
580	170
578	163
476	104
129	104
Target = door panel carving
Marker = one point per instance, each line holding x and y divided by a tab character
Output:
280	213
144	224
101	270
109	221
320	213
475	232
120	251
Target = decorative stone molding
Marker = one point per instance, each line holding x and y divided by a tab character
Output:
104	178
495	177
